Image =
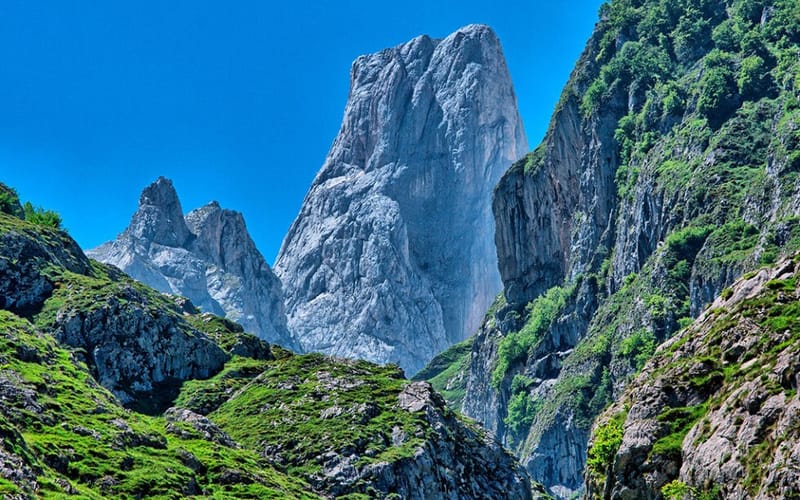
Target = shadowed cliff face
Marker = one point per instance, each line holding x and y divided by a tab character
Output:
391	257
667	171
206	256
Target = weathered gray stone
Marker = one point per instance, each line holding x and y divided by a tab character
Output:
207	256
744	443
391	257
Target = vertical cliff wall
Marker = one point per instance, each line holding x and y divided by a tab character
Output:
391	258
669	169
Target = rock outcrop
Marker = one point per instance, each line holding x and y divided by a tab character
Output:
102	313
715	412
206	256
391	257
322	416
666	173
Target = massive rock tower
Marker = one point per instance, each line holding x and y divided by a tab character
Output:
206	256
391	258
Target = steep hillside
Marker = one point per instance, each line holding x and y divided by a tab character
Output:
206	255
670	168
391	258
110	389
715	413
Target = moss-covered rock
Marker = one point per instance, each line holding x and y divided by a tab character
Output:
715	411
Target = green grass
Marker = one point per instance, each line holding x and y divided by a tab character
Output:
305	406
447	372
77	432
678	422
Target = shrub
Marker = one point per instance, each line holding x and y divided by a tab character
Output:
718	97
605	444
727	36
521	412
638	347
685	243
39	215
9	200
691	36
593	97
753	78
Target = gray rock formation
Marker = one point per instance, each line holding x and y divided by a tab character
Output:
621	227
206	256
391	257
137	351
715	412
486	470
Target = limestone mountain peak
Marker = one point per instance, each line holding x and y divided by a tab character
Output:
159	218
207	256
392	258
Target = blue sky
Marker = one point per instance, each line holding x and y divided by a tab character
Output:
235	101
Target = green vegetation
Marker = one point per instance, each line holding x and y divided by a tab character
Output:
640	347
304	406
606	441
38	215
205	396
678	422
540	313
447	372
717	90
10	205
678	490
9	201
521	408
76	436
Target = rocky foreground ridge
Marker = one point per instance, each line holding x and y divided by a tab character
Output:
391	258
715	413
109	389
670	168
206	255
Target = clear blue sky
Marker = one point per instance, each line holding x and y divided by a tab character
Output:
235	101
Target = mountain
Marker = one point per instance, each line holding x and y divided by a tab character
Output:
391	258
206	256
110	389
669	168
714	414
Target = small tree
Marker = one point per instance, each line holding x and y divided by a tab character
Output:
753	77
39	215
9	201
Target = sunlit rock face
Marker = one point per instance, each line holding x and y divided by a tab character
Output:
392	256
206	256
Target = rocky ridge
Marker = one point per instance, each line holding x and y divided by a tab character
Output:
391	257
715	412
206	256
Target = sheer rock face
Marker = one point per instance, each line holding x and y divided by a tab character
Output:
391	257
730	380
206	256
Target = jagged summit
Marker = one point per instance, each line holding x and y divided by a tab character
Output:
159	218
391	257
207	256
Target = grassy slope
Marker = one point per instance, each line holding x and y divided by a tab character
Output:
77	437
